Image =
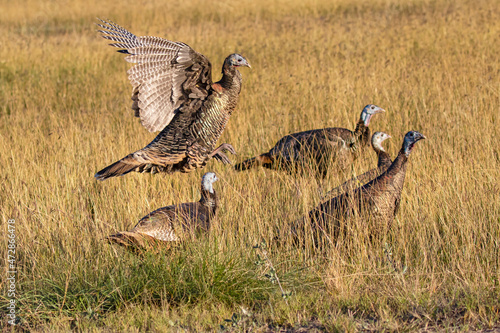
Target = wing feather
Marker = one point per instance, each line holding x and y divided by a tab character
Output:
137	73
166	74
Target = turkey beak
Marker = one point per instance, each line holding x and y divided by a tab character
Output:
420	136
380	110
246	63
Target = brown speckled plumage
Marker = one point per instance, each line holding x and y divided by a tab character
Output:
378	200
171	223
383	163
317	148
173	92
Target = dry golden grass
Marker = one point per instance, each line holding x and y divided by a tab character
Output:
65	113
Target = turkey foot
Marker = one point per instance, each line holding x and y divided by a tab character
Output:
219	155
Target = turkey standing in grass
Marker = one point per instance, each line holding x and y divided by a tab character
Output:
169	224
173	92
318	147
377	200
384	162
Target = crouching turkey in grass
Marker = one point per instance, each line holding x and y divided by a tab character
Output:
317	148
173	93
172	223
384	162
377	201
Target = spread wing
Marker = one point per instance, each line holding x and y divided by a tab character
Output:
166	74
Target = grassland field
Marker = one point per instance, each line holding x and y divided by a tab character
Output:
434	65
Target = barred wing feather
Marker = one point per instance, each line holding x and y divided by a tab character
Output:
166	74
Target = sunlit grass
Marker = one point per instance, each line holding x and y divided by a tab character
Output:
65	114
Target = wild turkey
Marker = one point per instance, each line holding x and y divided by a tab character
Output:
384	162
171	223
378	200
173	92
317	148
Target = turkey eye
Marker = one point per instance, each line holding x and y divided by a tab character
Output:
373	107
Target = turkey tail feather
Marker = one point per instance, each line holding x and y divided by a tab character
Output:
247	164
263	159
132	239
122	167
121	239
136	242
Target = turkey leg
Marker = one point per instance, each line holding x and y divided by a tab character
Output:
219	155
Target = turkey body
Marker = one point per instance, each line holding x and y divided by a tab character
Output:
173	223
173	92
377	201
317	149
383	163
